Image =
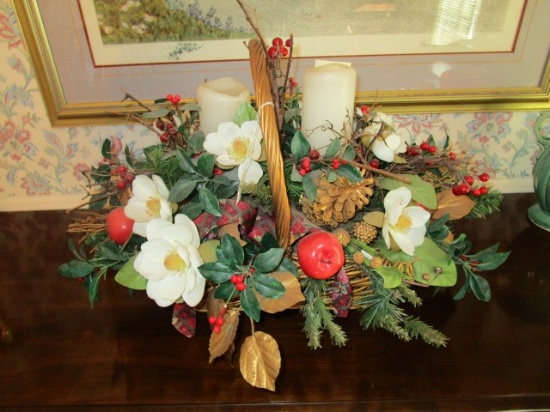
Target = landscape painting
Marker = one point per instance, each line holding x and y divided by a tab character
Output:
130	32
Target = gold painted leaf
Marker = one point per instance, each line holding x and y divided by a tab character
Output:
374	218
221	343
260	360
456	206
293	294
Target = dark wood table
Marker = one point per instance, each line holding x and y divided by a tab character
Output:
125	353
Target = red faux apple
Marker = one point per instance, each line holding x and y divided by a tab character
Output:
119	226
320	255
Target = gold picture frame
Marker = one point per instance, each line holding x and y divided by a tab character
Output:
57	43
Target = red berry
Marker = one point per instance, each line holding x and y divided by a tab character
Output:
302	171
121	184
314	154
169	97
484	177
476	192
284	51
424	146
432	149
306	162
335	163
413	150
456	190
240	286
217	329
429	163
176	99
235	279
129	177
277	41
452	156
272	52
469	179
219	320
483	190
375	163
212	320
464	188
288	43
122	169
164	137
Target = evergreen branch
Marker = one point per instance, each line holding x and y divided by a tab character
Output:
312	325
409	295
418	329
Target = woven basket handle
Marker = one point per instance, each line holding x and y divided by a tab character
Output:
271	143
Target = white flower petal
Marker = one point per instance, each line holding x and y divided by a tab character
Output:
154	228
193	297
225	160
418	216
417	235
382	151
136	210
143	187
166	290
403	241
250	172
161	187
140	228
190	226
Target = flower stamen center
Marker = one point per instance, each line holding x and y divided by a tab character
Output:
173	262
239	149
403	224
153	206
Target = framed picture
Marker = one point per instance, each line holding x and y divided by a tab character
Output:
476	56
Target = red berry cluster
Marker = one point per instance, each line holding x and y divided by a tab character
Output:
238	281
305	166
174	99
125	177
467	188
217	321
167	128
278	48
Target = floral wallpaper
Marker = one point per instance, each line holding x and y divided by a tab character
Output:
40	166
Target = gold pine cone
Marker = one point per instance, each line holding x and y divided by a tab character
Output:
365	232
337	202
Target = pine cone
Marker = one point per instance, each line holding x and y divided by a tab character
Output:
365	232
337	202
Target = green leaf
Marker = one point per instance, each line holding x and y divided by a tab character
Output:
480	287
269	241
224	291
331	176
299	146
223	187
433	266
128	156
128	276
208	250
230	252
195	142
267	261
216	272
192	107
106	149
154	153
332	149
92	287
391	275
192	210
287	265
181	190
267	286
245	112
185	162
75	269
462	291
494	261
349	154
210	202
310	189
250	304
349	172
422	192
157	113
205	164
110	251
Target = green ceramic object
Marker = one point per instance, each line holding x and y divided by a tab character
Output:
539	214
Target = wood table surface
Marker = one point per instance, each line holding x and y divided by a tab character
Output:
124	353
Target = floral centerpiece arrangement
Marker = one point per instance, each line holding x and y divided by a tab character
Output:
255	215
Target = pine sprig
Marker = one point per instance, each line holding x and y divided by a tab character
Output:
318	317
418	329
486	204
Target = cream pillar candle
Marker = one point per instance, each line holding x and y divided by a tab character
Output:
328	95
219	100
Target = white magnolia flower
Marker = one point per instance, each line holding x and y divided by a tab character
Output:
238	146
405	225
386	147
149	201
169	259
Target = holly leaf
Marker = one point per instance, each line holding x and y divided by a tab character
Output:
230	252
349	153
480	287
156	114
267	286
250	304
224	291
349	172
222	342
181	190
210	202
267	261
76	269
310	189
292	295
332	149
260	360
184	161
299	146
128	276
205	164
216	272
